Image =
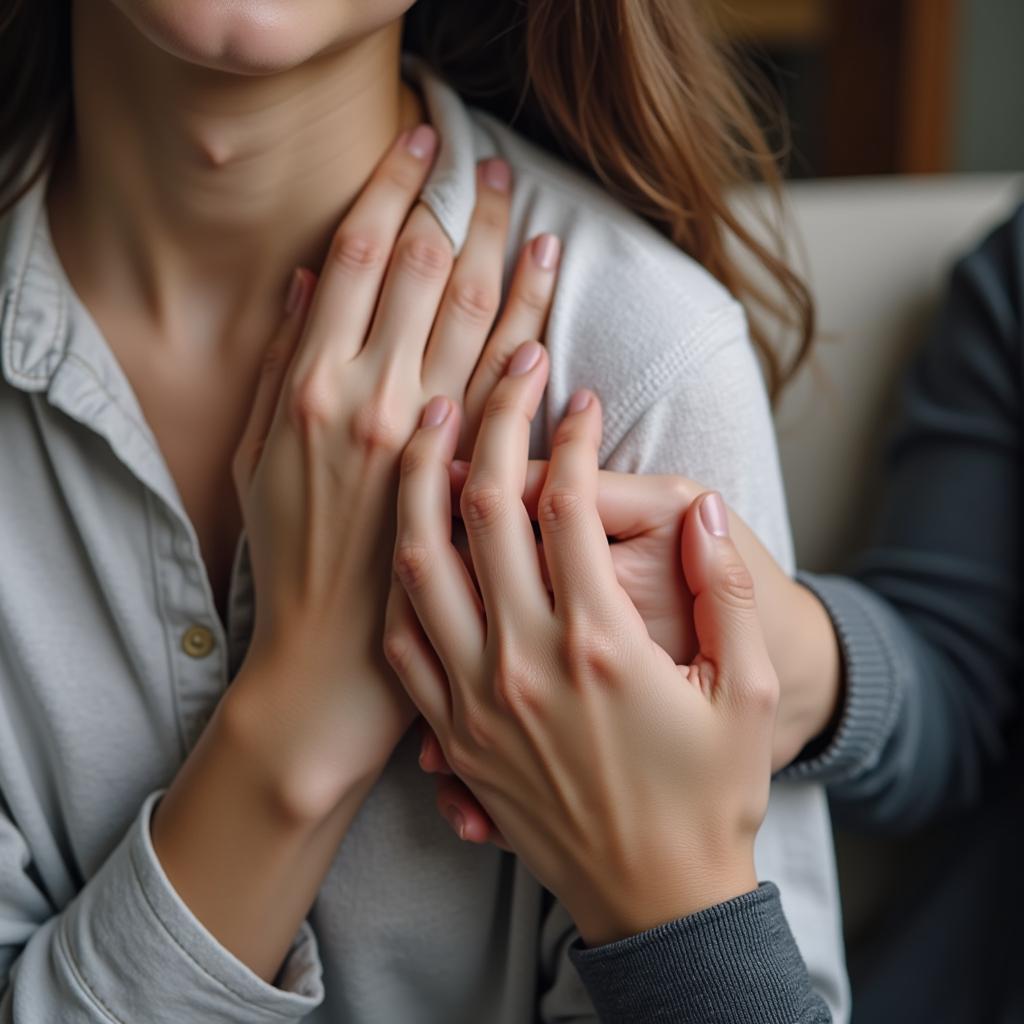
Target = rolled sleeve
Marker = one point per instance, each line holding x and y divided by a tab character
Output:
135	952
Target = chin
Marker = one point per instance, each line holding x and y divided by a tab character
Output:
257	37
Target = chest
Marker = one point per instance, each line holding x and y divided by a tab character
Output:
196	404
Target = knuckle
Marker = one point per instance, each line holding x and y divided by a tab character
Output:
515	691
591	654
375	428
398	649
358	252
275	359
483	503
461	752
679	491
412	563
758	693
504	401
764	696
736	586
414	459
568	433
491	213
474	301
559	507
425	258
404	174
533	298
312	402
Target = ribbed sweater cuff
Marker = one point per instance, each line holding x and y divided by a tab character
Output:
736	962
872	682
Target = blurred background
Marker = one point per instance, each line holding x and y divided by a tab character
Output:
890	86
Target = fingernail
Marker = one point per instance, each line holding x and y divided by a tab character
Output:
497	175
291	303
457	821
579	401
436	412
421	142
525	359
546	249
714	516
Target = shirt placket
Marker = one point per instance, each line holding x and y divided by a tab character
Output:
196	644
91	388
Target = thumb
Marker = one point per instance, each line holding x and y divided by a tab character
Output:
729	632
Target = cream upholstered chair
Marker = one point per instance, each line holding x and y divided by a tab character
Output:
877	253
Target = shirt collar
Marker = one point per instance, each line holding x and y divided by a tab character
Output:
36	304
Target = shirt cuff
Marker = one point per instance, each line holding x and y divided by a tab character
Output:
870	658
734	963
141	954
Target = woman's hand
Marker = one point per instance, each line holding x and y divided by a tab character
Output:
632	787
644	517
317	469
254	817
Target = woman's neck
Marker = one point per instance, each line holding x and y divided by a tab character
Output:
195	192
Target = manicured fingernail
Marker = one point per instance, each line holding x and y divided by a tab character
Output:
579	401
525	359
497	175
436	412
546	249
291	303
714	516
457	821
421	141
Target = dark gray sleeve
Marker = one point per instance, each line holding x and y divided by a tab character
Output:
930	623
735	963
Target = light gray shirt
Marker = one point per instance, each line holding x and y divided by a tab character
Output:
112	654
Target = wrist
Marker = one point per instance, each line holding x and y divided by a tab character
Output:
306	768
618	911
809	665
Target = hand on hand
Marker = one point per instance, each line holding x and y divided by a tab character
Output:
644	516
631	786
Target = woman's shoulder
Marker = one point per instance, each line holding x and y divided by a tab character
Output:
580	210
632	311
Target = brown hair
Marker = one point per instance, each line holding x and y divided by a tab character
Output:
641	94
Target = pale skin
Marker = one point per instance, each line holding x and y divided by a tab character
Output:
644	516
632	787
217	147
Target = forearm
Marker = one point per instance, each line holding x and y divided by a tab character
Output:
246	833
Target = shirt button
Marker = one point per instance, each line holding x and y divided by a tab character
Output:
197	641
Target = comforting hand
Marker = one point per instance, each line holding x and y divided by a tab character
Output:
644	517
391	323
632	787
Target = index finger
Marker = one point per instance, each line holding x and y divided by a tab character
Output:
351	278
500	534
576	550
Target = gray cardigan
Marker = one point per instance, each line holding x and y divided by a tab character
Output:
930	630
